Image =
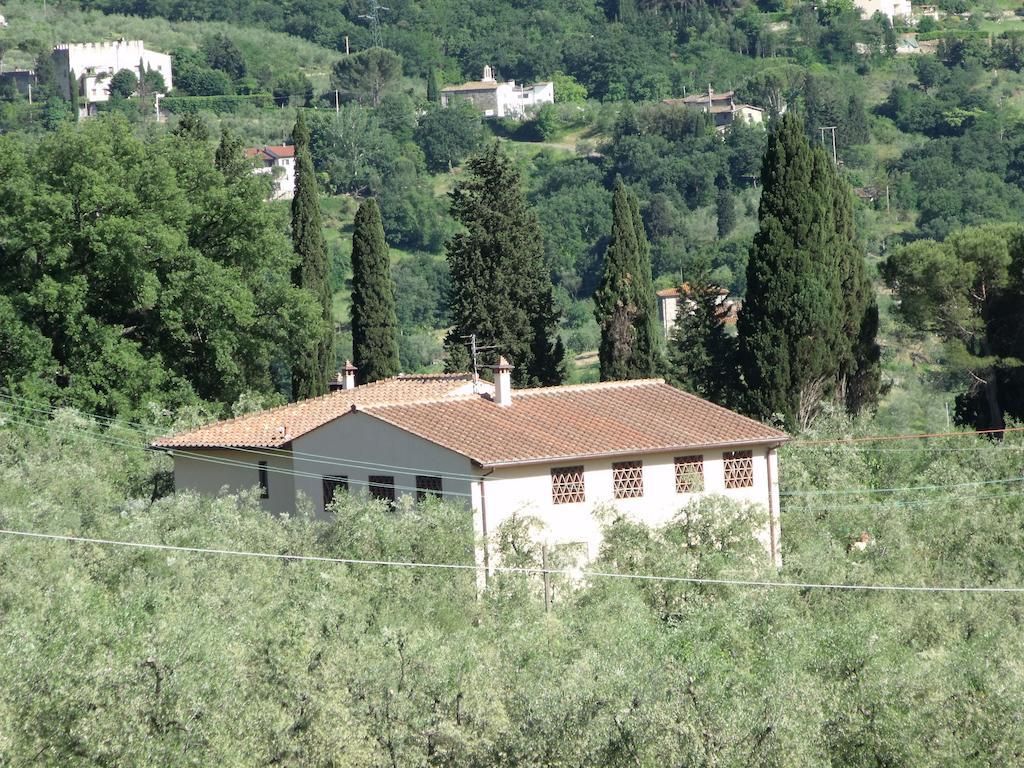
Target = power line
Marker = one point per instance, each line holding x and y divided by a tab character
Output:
238	464
314	458
855	491
906	436
511	569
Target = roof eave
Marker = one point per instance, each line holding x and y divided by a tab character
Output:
770	442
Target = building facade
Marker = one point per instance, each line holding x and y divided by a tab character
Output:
84	69
893	9
505	99
722	107
557	454
669	301
279	163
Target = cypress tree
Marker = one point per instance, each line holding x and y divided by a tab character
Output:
501	284
790	325
312	366
648	347
726	211
433	87
374	323
624	302
701	354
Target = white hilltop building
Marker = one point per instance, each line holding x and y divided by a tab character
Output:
893	9
88	67
505	99
556	453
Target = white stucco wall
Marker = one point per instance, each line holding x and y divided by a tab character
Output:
890	8
212	471
359	442
95	63
526	490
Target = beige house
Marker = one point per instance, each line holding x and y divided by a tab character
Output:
722	107
505	99
557	453
279	163
670	298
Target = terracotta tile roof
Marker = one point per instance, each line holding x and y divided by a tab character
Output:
478	85
277	427
572	422
281	151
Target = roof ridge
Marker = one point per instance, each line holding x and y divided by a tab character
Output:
590	385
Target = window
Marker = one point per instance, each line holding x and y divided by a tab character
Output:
333	484
689	474
739	469
427	486
382	487
264	484
628	479
567	485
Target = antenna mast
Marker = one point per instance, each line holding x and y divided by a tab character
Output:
374	18
474	351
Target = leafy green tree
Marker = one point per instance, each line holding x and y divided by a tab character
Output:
501	284
164	283
367	74
312	368
789	328
374	323
624	302
222	54
963	289
567	89
447	135
123	84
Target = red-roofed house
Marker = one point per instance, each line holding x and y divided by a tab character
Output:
279	162
555	453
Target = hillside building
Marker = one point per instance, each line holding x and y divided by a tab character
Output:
84	69
279	163
722	107
505	99
893	9
555	453
668	306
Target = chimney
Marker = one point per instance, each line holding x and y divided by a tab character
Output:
502	382
488	74
344	379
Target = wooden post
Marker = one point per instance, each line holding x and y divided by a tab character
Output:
547	577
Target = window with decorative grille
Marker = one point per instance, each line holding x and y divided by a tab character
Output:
689	474
567	485
333	484
628	479
427	485
739	469
382	487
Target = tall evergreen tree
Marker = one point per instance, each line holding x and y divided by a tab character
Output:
702	355
312	366
790	325
374	323
501	283
624	302
433	87
725	208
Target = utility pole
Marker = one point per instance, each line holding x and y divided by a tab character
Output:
346	45
835	157
337	106
374	18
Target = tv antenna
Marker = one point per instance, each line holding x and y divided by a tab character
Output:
374	18
474	351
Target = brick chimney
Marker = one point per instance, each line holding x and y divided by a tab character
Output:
502	382
344	379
